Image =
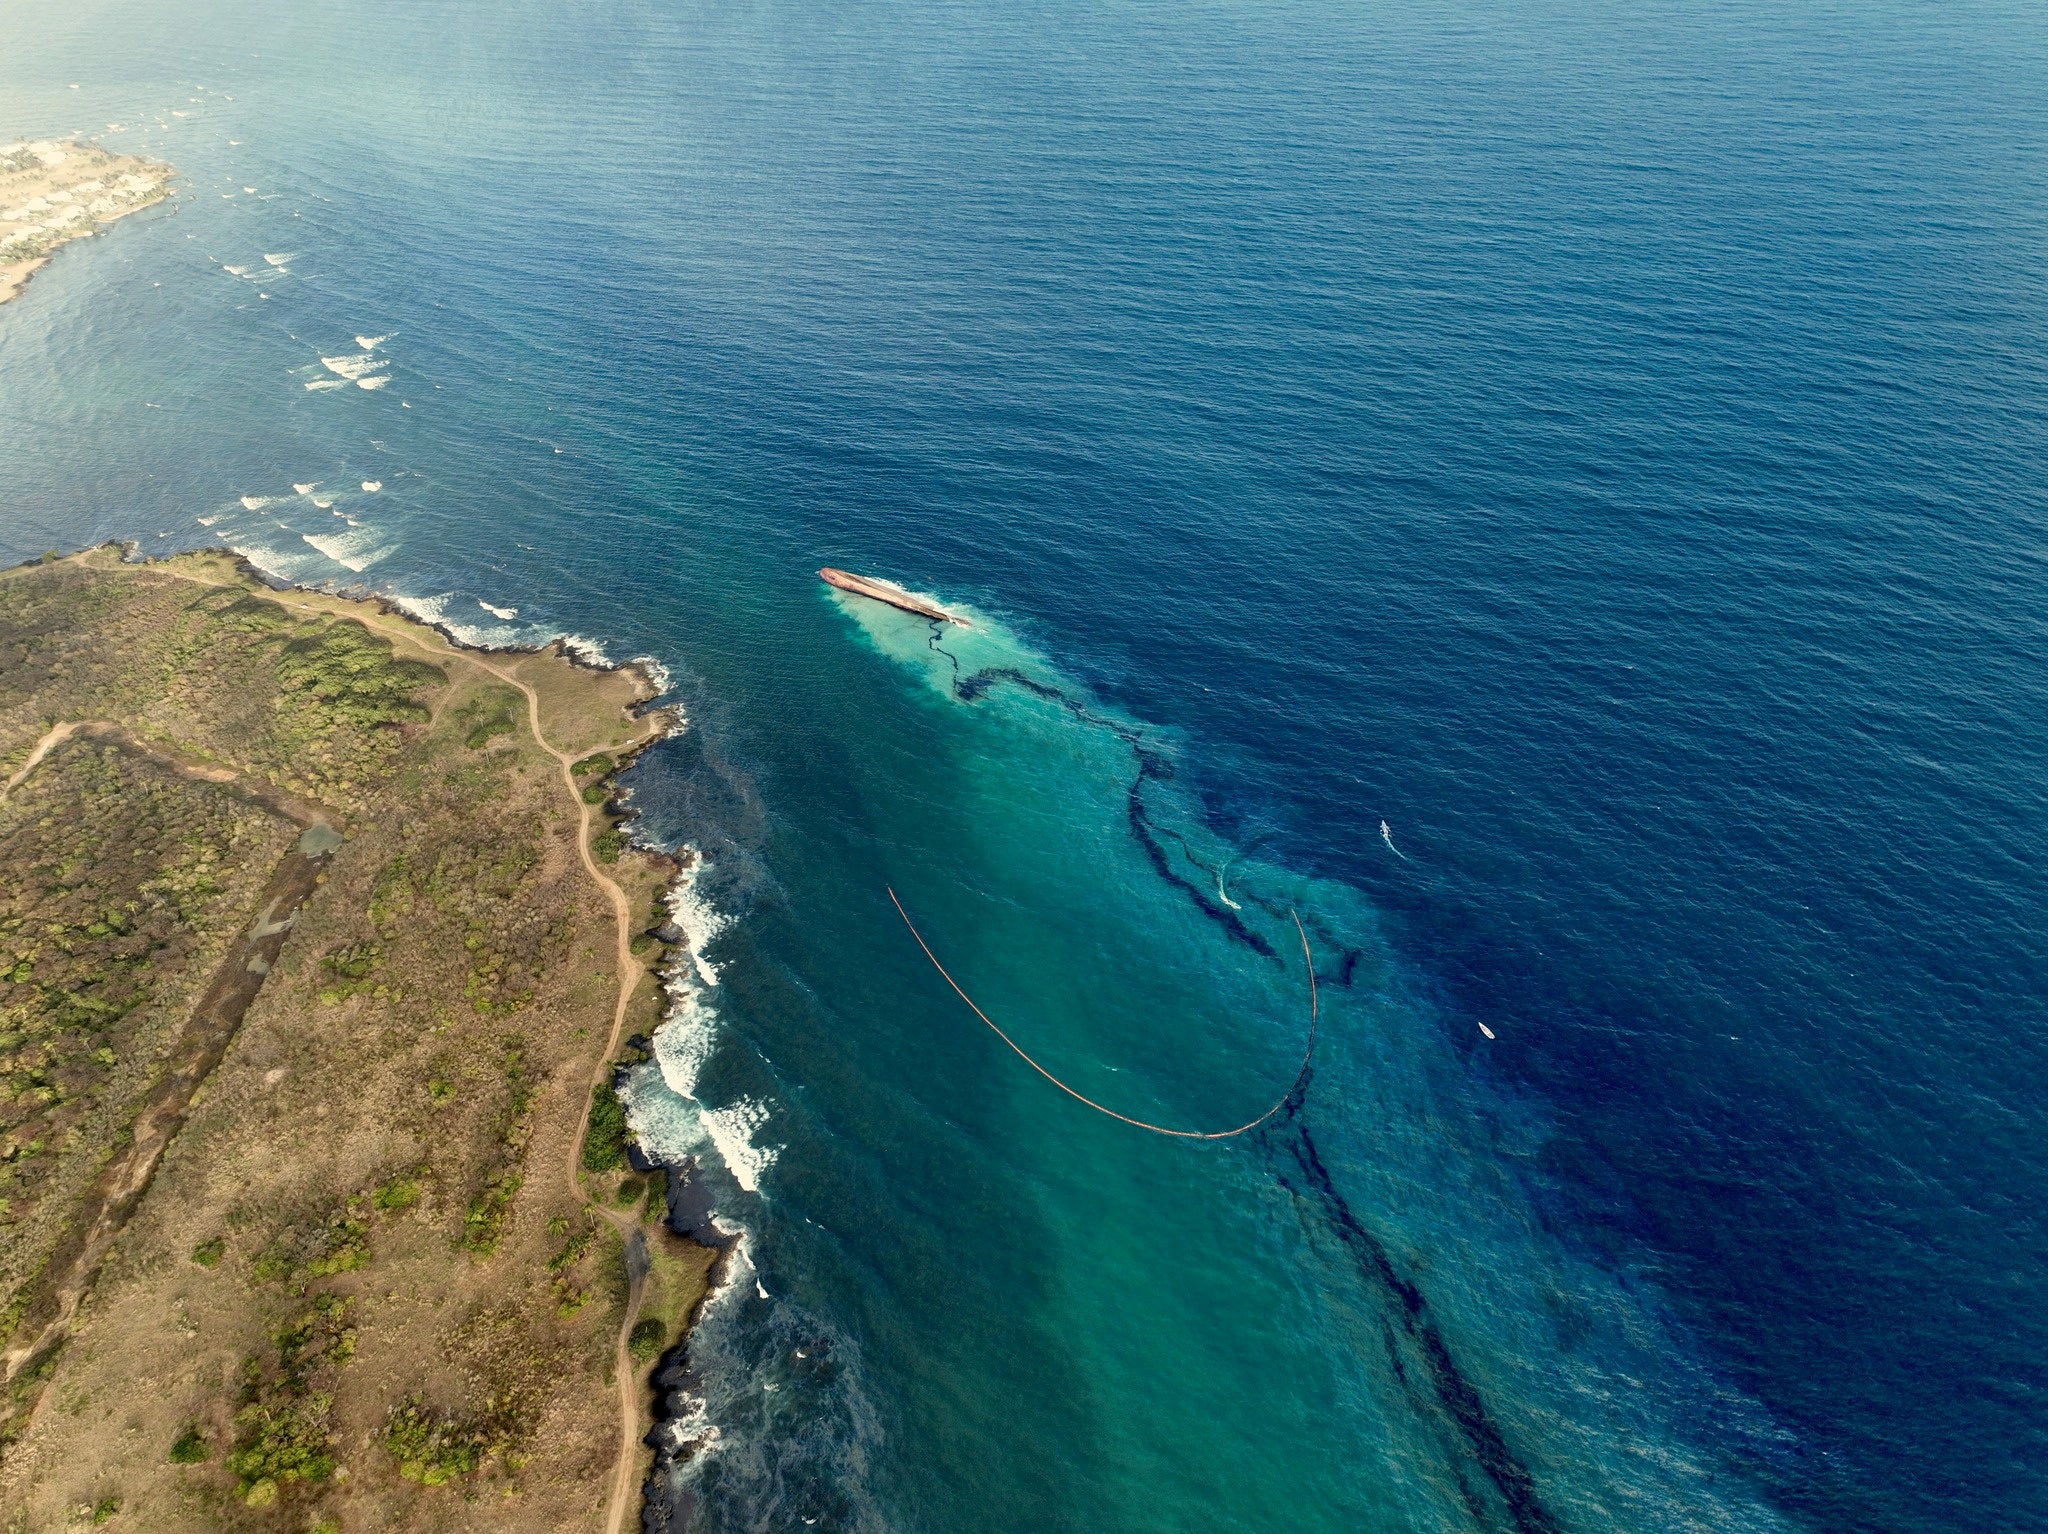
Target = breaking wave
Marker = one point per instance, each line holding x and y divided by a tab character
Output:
588	651
658	675
356	549
673	1123
351	367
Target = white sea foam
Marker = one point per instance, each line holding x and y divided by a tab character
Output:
690	1431
374	383
258	502
657	673
437	610
351	366
371	343
328	383
372	486
589	651
674	1124
357	549
278	260
507	613
208	521
698	919
235	271
290	562
731	1129
324	505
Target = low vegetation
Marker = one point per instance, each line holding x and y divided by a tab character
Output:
605	1134
121	885
432	1449
283	1420
360	1280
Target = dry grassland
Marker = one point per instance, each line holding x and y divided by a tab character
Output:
377	1280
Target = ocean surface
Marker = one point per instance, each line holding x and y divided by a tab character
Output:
1606	445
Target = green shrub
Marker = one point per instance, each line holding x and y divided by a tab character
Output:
483	1224
281	1442
272	1265
604	1137
353	967
282	1427
431	1449
397	1195
595	793
596	762
607	845
488	730
354	675
572	1250
190	1447
208	1253
344	1247
647	1339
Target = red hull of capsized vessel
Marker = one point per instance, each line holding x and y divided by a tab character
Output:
883	591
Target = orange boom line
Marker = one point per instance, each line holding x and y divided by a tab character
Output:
1300	1075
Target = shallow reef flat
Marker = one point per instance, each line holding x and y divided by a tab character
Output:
314	956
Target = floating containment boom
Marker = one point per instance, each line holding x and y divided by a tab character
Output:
883	591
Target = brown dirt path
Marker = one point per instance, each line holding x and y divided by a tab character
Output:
629	972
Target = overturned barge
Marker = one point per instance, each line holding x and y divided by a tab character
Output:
884	591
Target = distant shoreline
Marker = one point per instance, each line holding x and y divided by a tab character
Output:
55	191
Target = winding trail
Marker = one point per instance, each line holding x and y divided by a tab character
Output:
627	1227
58	734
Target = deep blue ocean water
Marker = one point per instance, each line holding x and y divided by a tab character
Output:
1611	449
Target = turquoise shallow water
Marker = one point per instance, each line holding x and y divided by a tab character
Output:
1606	449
